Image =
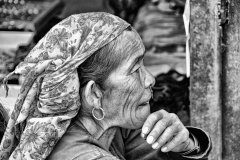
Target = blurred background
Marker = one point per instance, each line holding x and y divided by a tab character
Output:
159	23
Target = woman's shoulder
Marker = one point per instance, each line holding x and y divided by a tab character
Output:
75	145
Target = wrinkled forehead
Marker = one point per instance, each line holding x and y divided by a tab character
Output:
129	43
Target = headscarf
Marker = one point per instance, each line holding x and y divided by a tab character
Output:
49	97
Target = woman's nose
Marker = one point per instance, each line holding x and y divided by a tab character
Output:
149	80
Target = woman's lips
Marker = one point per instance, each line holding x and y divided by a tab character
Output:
146	99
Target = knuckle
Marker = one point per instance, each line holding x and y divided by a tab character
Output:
154	116
166	136
174	116
154	133
163	124
161	139
184	135
174	142
171	130
185	131
163	112
179	125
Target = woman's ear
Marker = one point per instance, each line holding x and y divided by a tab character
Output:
93	94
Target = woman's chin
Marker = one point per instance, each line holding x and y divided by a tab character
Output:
143	112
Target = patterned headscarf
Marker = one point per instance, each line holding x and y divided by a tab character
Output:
49	97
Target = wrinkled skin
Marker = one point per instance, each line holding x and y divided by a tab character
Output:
125	102
128	88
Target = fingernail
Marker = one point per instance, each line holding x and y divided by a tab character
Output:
143	136
150	139
145	130
155	145
164	149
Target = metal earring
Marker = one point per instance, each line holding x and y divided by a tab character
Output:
103	114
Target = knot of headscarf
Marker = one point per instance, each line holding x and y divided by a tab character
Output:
49	97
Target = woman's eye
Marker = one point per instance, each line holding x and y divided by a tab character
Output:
137	70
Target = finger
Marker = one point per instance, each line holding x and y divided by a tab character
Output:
158	129
176	141
151	121
166	136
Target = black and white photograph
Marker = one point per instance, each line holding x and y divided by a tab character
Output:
119	80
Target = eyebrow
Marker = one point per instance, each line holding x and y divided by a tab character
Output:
137	60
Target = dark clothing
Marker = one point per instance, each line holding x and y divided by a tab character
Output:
78	144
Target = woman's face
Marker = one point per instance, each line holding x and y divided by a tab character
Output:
128	87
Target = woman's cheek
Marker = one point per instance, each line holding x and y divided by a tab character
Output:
122	94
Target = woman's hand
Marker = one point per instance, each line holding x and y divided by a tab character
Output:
164	130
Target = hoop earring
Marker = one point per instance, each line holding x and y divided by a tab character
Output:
103	113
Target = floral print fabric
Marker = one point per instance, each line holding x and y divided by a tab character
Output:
49	97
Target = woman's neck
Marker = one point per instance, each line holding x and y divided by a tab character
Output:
99	130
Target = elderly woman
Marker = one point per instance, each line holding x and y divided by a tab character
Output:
86	96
